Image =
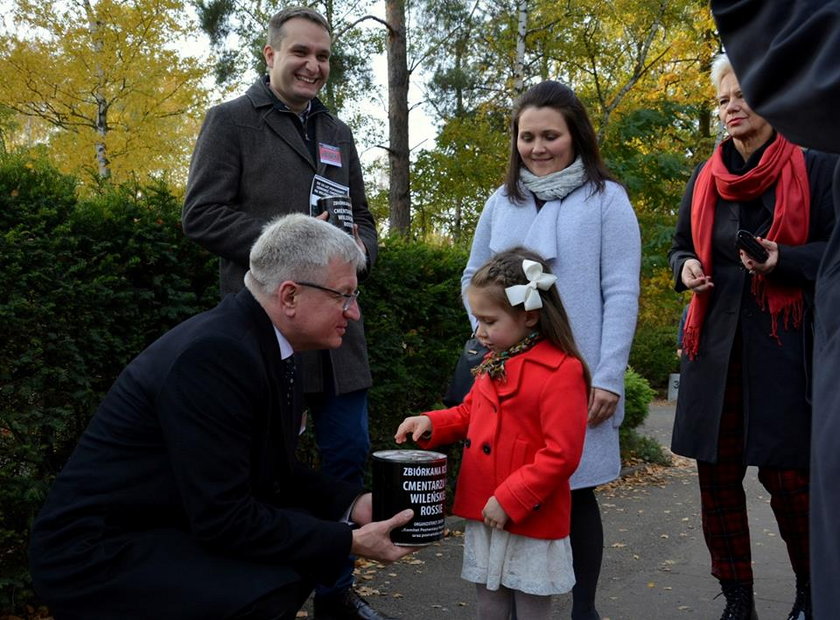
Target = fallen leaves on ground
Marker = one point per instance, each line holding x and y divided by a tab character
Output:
31	613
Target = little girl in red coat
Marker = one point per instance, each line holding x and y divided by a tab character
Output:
523	423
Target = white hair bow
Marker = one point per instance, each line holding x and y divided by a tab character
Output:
528	293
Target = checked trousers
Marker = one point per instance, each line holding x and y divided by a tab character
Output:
724	503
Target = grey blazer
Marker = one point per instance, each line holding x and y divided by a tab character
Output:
250	165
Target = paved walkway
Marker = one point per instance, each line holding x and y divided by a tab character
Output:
656	565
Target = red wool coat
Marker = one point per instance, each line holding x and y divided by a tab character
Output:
524	438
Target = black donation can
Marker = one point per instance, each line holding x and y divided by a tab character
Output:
340	210
413	479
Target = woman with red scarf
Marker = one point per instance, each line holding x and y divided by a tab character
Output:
745	367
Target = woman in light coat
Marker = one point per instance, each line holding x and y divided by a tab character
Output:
560	201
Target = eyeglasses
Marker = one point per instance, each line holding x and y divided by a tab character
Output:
349	298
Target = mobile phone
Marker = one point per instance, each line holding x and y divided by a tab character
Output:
746	241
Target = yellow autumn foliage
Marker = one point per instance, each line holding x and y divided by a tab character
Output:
104	74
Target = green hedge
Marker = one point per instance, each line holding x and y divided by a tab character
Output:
87	283
638	395
654	353
416	327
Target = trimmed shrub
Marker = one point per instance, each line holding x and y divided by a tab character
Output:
85	286
654	353
637	398
654	347
416	327
37	376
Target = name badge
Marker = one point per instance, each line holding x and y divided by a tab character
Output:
329	154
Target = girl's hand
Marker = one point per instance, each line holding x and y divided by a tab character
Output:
494	515
602	405
693	278
415	426
767	266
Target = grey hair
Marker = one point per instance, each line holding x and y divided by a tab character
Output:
275	24
297	247
720	67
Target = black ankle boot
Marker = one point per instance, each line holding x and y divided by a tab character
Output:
740	604
802	604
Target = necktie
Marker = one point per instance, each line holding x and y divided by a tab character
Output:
288	378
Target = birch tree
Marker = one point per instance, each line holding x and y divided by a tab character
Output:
106	82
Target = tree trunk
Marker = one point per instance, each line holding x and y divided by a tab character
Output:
521	31
102	163
399	199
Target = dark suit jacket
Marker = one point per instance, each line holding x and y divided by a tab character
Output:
183	498
251	165
786	55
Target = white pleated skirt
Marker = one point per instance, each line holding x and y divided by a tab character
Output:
532	565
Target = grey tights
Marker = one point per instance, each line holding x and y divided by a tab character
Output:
498	604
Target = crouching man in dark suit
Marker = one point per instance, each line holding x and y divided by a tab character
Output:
183	498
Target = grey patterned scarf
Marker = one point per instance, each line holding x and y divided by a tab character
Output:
557	185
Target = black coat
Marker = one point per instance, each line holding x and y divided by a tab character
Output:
775	377
183	498
786	56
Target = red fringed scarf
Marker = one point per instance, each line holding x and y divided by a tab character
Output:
782	164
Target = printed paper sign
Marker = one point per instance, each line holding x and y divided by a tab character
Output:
334	198
323	187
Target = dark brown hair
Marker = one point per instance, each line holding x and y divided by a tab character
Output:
504	270
275	24
551	94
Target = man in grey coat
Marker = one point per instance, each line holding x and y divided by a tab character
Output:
274	151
